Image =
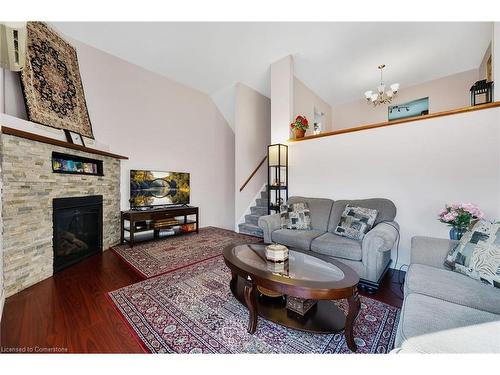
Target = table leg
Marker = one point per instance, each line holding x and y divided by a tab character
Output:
197	223
251	301
234	280
122	229
131	233
354	307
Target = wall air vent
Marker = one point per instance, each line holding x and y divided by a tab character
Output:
13	45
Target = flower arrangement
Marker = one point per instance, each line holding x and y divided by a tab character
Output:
460	215
300	123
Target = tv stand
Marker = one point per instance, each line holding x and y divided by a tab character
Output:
156	219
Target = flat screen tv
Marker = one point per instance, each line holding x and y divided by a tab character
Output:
154	188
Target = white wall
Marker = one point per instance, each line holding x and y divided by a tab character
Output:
483	67
419	165
305	101
159	124
282	99
252	135
444	94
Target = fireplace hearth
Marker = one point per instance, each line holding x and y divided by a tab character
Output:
77	224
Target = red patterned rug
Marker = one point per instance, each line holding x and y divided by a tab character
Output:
192	310
154	258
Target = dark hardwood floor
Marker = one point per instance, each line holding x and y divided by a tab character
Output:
69	311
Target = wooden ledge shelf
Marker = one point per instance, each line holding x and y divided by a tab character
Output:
398	122
57	142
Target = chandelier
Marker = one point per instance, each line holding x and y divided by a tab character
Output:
382	96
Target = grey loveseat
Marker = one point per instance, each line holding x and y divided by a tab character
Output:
370	258
444	311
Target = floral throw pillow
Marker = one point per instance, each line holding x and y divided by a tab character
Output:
477	255
355	222
295	216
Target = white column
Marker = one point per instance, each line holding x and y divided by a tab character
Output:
281	99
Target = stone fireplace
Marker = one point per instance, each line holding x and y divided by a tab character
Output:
31	196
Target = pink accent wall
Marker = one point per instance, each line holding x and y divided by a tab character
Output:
444	94
160	124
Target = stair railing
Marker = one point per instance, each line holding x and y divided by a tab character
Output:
253	173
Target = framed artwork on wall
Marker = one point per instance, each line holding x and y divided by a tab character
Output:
414	108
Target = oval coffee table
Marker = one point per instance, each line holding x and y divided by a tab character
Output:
305	276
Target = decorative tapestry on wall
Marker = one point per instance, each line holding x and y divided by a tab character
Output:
51	82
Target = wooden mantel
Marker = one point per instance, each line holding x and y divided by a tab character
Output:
398	122
56	142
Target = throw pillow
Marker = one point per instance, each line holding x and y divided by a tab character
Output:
477	255
355	222
295	216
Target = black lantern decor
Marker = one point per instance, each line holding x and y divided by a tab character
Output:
483	91
277	177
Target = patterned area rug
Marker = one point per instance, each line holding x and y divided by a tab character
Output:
192	310
154	258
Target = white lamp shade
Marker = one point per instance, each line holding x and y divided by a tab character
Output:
374	97
395	87
368	94
381	88
274	151
389	94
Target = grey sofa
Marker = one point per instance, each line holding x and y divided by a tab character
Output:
444	311
370	258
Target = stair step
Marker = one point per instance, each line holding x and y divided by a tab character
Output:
255	210
252	230
261	202
263	194
252	219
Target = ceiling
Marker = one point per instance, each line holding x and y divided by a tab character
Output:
337	60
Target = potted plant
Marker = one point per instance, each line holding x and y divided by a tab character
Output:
299	126
459	216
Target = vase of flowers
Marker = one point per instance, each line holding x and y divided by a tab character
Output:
459	216
299	126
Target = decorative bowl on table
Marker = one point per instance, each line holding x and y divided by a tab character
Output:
276	253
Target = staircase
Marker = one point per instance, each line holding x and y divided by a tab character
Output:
260	209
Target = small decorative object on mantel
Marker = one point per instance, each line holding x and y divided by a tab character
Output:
74	138
299	126
481	92
276	253
51	82
459	216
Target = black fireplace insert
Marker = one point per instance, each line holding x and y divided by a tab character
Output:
77	223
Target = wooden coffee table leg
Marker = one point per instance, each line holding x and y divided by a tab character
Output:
354	307
234	280
250	295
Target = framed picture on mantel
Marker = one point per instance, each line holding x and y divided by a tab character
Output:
73	137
